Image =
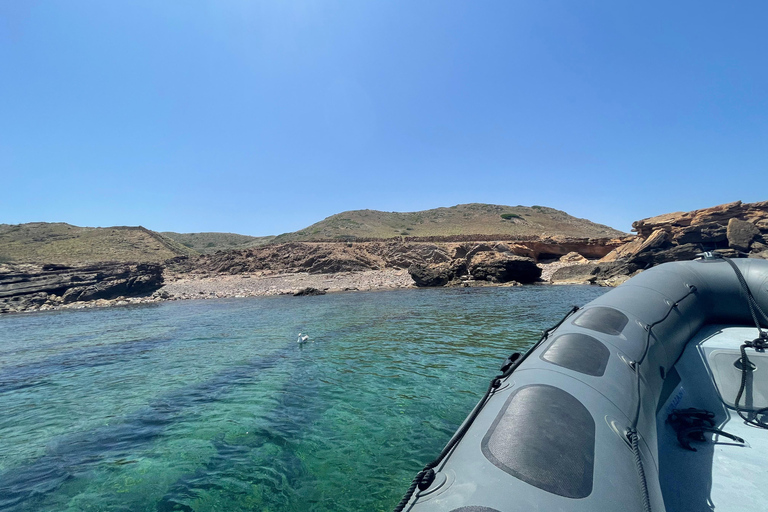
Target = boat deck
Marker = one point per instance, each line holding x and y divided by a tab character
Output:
722	475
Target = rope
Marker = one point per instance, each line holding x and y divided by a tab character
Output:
745	369
759	344
632	432
635	443
754	307
649	329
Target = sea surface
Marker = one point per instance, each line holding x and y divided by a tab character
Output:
214	406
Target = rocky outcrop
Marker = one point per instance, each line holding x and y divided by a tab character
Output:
707	222
308	291
739	227
24	287
430	264
573	257
437	274
291	257
477	262
332	257
733	230
403	255
741	234
575	274
557	246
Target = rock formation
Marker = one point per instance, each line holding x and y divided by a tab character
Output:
503	267
494	262
437	274
308	291
24	287
734	229
331	257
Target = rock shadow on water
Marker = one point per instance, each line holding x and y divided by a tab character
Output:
74	455
262	468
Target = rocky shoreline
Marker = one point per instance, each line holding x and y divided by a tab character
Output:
182	286
303	268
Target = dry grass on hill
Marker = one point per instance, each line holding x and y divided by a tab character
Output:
465	219
206	243
42	242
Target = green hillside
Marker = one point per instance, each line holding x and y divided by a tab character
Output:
206	243
57	242
463	219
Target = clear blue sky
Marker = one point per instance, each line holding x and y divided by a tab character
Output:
264	117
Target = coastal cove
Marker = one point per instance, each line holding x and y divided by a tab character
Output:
212	405
185	286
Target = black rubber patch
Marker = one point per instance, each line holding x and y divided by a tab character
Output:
545	437
474	509
578	352
601	319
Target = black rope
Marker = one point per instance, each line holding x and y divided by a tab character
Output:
649	330
759	344
632	434
754	307
745	369
634	440
426	476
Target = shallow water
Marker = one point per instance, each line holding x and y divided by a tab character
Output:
213	406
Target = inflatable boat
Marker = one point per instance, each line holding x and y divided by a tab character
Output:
653	397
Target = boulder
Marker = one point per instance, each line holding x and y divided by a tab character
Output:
615	273
575	274
437	274
573	257
424	274
741	234
308	291
504	267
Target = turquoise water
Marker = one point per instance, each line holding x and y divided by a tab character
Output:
213	406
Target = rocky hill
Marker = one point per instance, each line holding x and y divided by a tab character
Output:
60	243
464	219
206	243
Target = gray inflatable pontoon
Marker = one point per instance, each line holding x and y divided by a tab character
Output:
641	400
